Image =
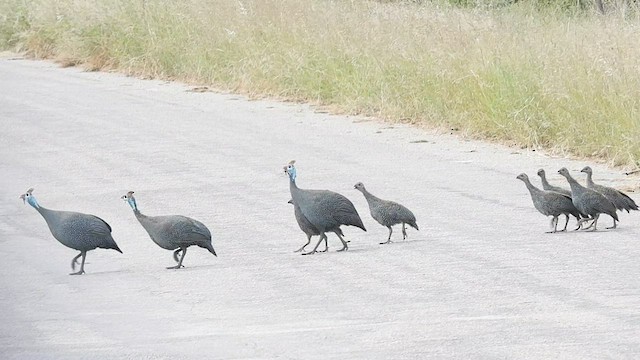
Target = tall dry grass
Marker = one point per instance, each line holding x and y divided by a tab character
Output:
569	84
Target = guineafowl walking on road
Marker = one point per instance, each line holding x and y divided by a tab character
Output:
589	202
551	203
173	232
311	230
548	187
82	232
324	209
619	199
388	213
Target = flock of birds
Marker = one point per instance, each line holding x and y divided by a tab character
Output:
585	203
316	211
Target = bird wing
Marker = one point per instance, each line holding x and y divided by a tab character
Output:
598	202
103	222
344	212
188	231
630	202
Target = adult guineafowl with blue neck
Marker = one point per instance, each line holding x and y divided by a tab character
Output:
173	232
325	210
82	232
309	229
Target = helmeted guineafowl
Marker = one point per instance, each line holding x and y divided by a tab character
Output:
388	213
619	199
82	232
325	210
551	203
549	187
309	229
588	201
173	232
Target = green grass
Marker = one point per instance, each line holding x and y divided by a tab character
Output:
520	74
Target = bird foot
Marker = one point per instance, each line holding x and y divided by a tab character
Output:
611	227
176	267
302	248
78	272
345	248
551	232
309	253
325	250
386	242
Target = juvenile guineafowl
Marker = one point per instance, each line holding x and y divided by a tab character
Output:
619	199
551	203
82	232
324	209
173	232
549	187
388	213
589	202
311	230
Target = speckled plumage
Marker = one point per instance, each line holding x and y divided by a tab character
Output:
309	229
551	203
388	213
548	187
588	201
82	232
325	210
619	199
173	232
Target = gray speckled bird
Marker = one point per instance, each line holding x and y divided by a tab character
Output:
549	187
551	203
82	232
388	213
619	199
173	232
588	201
311	230
325	210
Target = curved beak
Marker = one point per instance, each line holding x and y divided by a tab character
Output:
24	200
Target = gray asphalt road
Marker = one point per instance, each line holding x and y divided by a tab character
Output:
479	280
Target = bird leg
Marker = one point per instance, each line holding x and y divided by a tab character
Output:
345	247
389	239
74	262
404	232
81	271
614	224
594	223
326	245
579	224
184	252
305	245
322	236
175	255
566	223
554	225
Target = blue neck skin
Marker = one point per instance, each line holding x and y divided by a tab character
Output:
132	203
33	202
292	174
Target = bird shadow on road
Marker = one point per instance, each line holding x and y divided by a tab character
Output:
98	273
